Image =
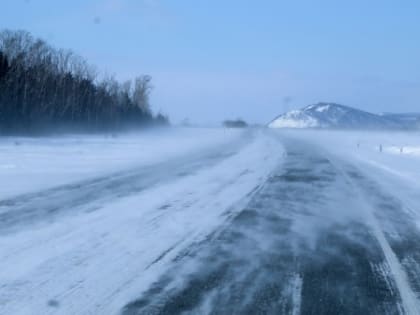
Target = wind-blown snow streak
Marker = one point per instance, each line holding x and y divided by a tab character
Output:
299	246
32	164
409	300
297	294
264	226
96	262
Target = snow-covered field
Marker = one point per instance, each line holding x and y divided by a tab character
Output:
32	164
95	261
90	224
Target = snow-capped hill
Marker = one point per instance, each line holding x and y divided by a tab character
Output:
294	119
331	115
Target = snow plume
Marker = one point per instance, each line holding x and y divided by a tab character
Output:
96	260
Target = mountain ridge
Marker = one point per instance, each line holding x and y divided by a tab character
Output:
329	115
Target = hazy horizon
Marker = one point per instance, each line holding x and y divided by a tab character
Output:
218	60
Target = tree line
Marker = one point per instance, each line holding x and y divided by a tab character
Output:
238	123
45	88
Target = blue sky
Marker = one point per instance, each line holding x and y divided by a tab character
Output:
212	60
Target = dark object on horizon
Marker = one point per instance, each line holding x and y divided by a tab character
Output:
239	123
162	120
43	88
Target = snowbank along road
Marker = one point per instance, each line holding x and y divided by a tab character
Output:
266	224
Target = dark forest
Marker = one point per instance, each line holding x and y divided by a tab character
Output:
43	88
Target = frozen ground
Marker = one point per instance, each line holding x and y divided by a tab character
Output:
31	164
231	222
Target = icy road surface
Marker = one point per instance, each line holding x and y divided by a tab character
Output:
267	223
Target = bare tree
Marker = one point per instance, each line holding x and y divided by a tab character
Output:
42	85
142	89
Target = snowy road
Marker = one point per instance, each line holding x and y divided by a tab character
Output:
268	224
318	238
